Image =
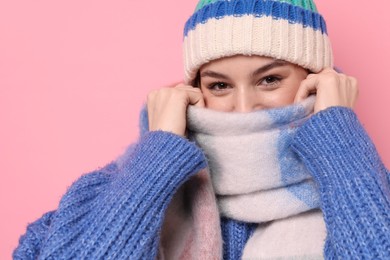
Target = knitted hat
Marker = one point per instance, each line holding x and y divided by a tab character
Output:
290	30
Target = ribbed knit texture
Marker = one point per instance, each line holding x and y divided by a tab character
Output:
354	184
117	212
306	4
291	30
235	234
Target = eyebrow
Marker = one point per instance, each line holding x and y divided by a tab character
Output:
269	66
213	74
263	69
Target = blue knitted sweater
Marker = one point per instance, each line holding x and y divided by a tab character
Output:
117	212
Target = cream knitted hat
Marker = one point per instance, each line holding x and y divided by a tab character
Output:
290	30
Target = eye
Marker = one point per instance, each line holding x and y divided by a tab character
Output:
270	81
218	86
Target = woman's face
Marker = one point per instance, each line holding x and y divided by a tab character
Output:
246	83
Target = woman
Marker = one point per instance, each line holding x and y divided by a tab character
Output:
288	176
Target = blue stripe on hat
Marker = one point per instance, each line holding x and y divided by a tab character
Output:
257	8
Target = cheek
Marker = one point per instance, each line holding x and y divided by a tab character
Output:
291	91
216	103
283	96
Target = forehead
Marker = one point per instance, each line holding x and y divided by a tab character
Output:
238	61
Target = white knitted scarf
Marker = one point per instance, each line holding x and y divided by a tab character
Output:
256	177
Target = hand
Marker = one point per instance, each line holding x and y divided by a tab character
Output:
332	88
167	107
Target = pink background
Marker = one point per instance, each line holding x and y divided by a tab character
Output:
74	74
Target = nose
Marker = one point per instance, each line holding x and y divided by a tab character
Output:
246	100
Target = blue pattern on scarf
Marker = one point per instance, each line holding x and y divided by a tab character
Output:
292	168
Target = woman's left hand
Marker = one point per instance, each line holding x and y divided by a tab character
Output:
332	89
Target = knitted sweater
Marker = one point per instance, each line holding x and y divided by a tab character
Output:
118	211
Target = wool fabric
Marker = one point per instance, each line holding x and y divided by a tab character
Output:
117	212
290	30
256	175
258	178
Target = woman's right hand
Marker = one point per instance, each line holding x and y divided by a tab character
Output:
167	107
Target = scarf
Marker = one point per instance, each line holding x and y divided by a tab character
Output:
253	176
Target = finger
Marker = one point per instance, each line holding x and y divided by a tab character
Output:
195	95
353	85
151	100
150	106
307	87
175	84
327	70
196	98
187	87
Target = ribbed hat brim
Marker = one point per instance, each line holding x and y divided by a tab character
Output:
290	30
249	35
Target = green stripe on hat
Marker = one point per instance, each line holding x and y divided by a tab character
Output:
202	3
306	4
